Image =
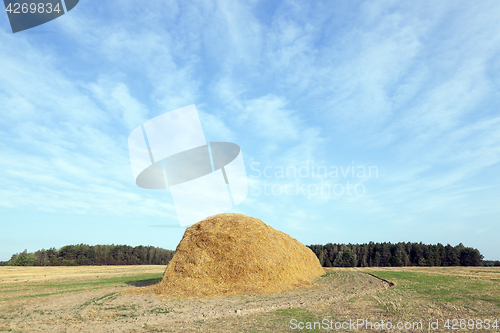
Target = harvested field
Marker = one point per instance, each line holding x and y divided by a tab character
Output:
26	307
34	274
83	303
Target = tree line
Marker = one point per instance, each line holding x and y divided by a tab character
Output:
329	255
491	263
399	254
83	254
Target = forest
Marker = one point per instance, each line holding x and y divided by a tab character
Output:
329	255
83	254
393	255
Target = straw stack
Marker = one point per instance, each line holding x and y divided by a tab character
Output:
229	254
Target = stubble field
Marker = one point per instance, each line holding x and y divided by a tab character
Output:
101	299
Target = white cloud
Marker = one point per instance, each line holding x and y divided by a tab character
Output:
117	100
215	128
268	117
57	144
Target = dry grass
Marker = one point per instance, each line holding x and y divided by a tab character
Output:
102	306
20	274
419	294
231	254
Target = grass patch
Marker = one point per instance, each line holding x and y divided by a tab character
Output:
444	288
162	310
122	308
95	301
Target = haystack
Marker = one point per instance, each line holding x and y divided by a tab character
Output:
230	254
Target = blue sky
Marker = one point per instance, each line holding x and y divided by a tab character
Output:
408	88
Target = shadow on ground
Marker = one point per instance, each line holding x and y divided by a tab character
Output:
143	283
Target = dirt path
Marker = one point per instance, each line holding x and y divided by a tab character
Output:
113	310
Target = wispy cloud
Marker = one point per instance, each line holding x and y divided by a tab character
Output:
117	101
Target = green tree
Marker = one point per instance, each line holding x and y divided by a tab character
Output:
321	258
339	261
470	257
349	259
452	257
422	262
24	259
